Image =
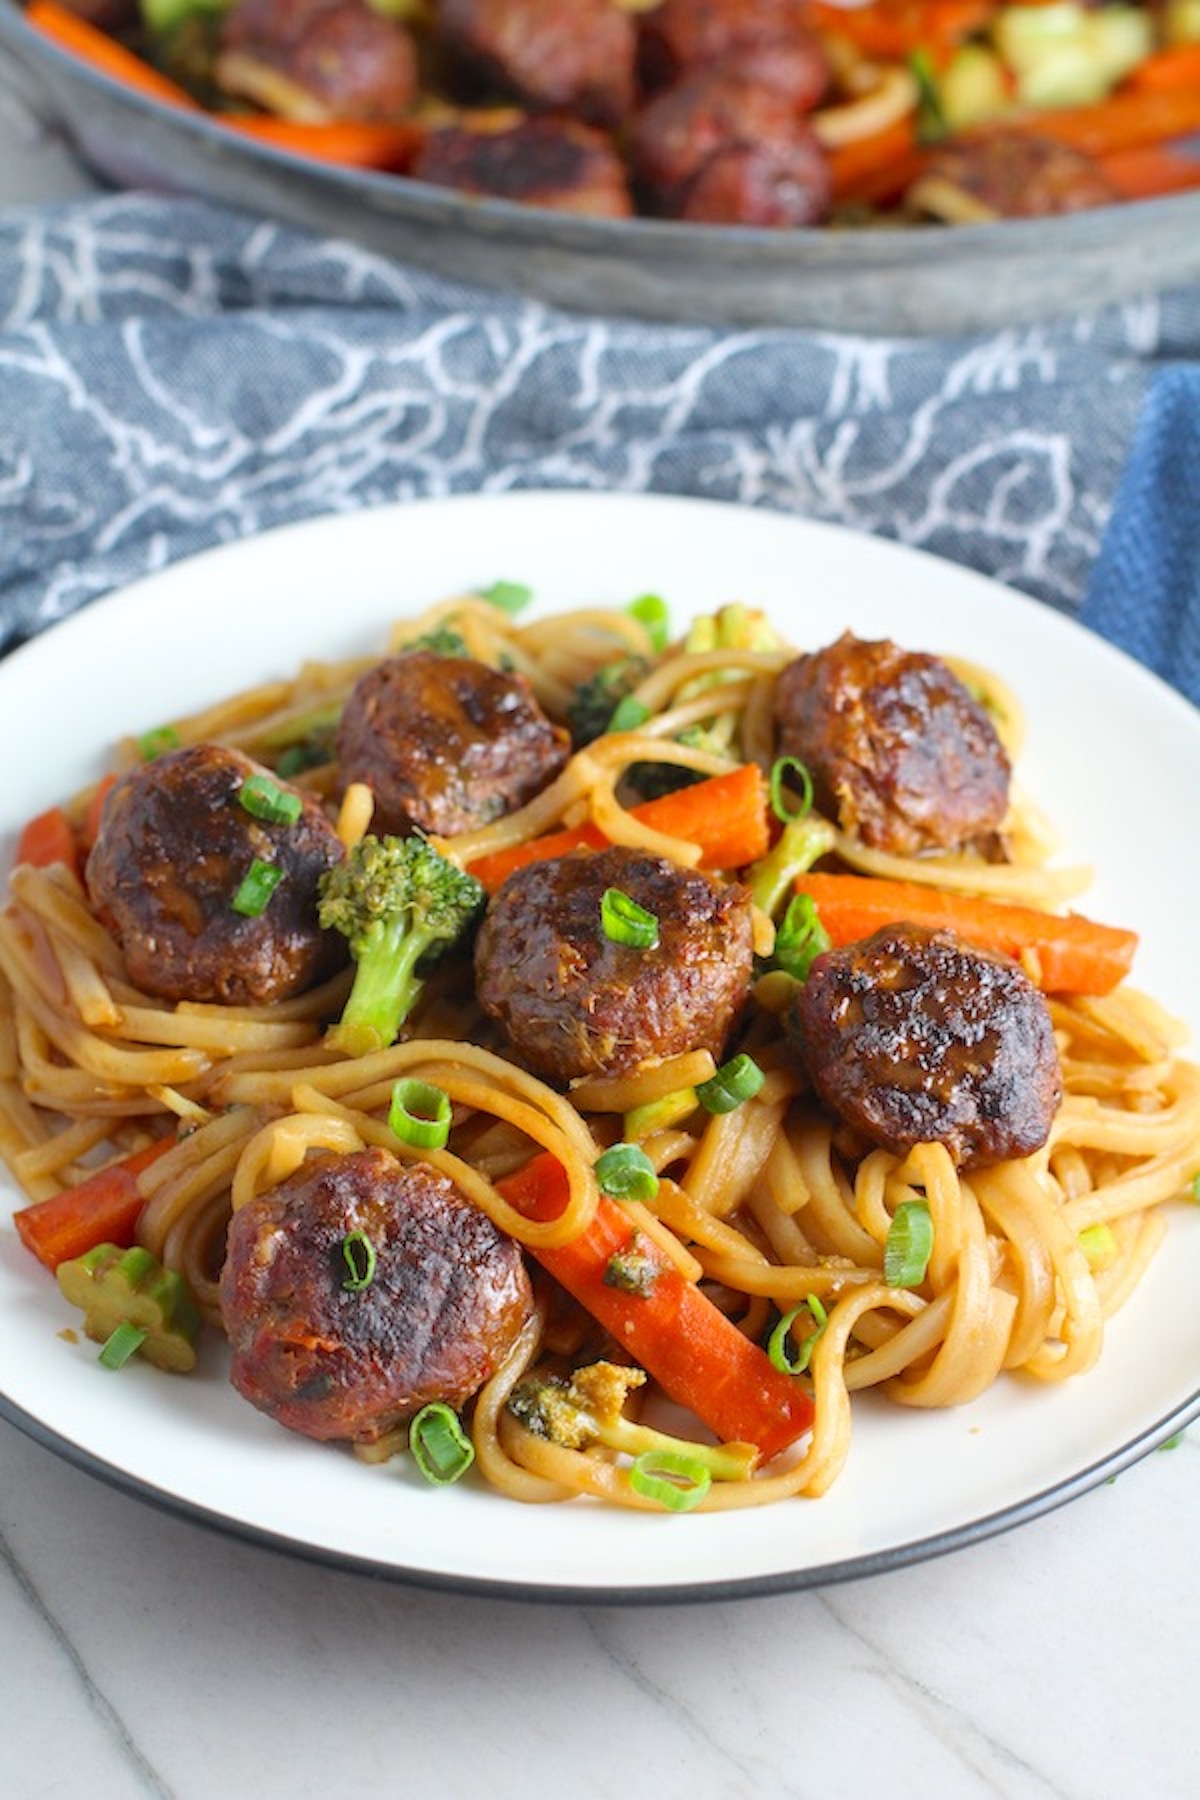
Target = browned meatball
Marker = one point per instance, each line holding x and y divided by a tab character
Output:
773	39
574	1003
175	845
447	1298
555	163
1012	175
914	1037
722	150
317	58
897	747
574	56
446	743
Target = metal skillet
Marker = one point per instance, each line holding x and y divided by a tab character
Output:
927	281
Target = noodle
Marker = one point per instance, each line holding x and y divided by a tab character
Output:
769	1207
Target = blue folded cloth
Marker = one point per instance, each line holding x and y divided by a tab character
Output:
174	375
1144	593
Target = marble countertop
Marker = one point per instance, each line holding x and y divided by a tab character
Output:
144	1655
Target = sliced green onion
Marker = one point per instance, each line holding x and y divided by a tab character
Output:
440	1447
651	611
909	1245
263	798
258	884
509	596
626	1173
781	768
358	1254
801	938
121	1344
157	742
777	1343
628	714
420	1114
1194	1190
623	921
677	1481
735	1081
1099	1245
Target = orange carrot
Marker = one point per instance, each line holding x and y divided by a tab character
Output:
1150	170
726	815
1174	66
890	30
104	1209
89	831
1124	121
698	1356
1072	955
101	52
348	142
49	839
876	169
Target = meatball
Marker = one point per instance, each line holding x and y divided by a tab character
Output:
574	56
913	1037
773	39
445	1302
316	59
720	149
897	747
555	163
446	743
1010	175
572	1002
175	844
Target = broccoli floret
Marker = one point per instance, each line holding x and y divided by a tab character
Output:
596	699
587	1408
399	904
443	640
734	627
801	843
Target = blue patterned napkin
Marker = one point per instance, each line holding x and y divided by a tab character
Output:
174	375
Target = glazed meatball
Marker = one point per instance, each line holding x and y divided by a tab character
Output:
718	149
572	1002
176	842
448	1295
446	743
898	749
574	56
1011	175
555	163
317	59
772	38
913	1037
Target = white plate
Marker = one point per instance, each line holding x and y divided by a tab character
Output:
1111	754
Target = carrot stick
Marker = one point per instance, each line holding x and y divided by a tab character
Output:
1151	170
89	831
891	30
49	839
104	1209
726	816
875	169
101	52
1072	955
698	1356
1124	121
1174	66
349	143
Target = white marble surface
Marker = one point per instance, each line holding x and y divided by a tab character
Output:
141	1655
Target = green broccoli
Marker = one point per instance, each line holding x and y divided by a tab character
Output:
801	843
587	1408
399	904
443	640
595	700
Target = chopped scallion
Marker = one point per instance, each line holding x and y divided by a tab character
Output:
157	742
781	768
257	885
801	938
122	1343
626	1173
440	1447
909	1245
509	596
651	611
628	714
677	1481
263	798
777	1343
735	1081
623	921
358	1254
420	1114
